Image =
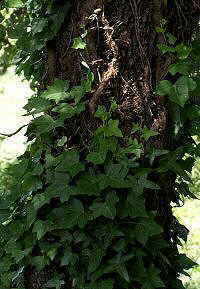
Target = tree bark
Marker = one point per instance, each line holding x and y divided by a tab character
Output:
123	55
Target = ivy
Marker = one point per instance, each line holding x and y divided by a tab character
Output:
84	207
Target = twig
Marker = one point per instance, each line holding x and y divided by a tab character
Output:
14	133
112	66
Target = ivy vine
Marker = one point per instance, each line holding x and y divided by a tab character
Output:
82	209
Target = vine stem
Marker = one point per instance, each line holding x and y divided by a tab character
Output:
14	133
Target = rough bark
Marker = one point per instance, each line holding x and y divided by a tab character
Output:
123	55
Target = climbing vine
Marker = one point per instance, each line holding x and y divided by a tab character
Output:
78	209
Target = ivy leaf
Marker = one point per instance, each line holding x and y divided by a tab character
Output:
102	113
90	185
152	279
56	91
178	284
183	68
103	284
39	262
111	129
164	87
79	43
119	171
87	83
70	163
67	258
122	271
31	183
96	256
182	87
170	37
55	283
14	3
189	82
184	263
147	133
145	229
77	93
133	148
183	51
40	200
62	141
42	124
135	206
42	227
113	106
96	158
165	48
36	105
39	25
106	209
71	215
154	153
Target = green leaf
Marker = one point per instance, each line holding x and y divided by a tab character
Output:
164	87
159	29
52	253
113	106
79	43
42	124
91	185
42	227
102	113
39	25
184	263
165	48
96	256
119	171
56	91
96	158
55	283
182	87
154	153
147	133
122	271
135	206
39	262
77	93
62	141
70	163
133	148
106	209
87	83
67	258
146	229
183	51
152	279
14	3
102	284
37	104
40	200
183	68
170	37
72	215
31	183
111	129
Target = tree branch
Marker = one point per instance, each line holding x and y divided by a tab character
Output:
14	133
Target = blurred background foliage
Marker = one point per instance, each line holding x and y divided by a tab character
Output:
11	111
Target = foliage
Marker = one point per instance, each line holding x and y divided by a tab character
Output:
83	208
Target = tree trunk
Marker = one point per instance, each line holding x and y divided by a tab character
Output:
122	53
